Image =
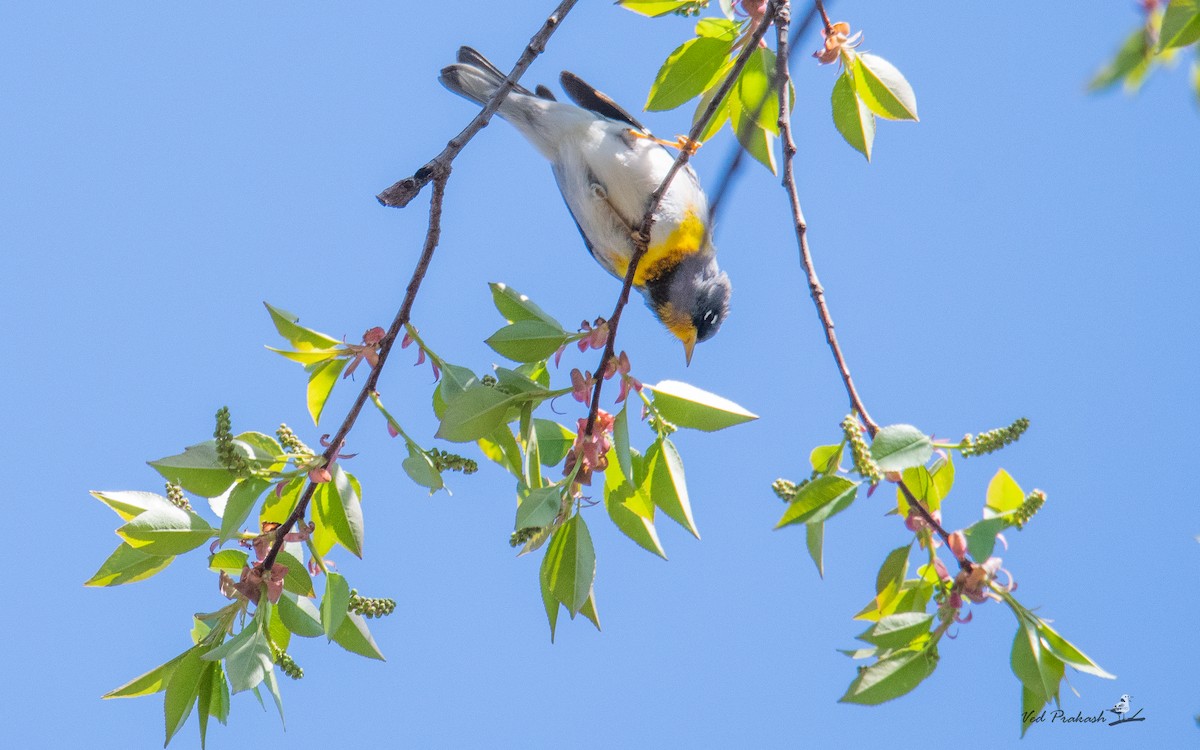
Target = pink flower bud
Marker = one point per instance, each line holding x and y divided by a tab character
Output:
373	336
319	475
958	544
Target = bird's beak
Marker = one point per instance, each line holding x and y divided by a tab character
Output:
689	343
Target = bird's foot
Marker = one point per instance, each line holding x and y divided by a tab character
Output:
681	142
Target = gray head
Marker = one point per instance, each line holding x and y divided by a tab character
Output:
691	300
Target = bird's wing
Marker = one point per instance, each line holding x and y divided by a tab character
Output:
586	96
607	235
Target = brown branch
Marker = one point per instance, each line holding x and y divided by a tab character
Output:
782	78
436	170
824	16
641	241
401	193
814	284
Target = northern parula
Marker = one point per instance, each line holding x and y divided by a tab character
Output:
607	164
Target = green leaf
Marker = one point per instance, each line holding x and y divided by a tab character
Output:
893	570
756	94
687	72
166	530
1031	703
515	306
815	540
277	507
826	459
668	488
311	356
528	340
421	469
572	564
900	446
818	500
455	381
238	506
1065	651
722	113
539	507
321	379
297	580
688	406
757	141
898	630
334	603
154	681
127	504
942	474
337	512
919	482
247	655
890	678
1038	670
476	413
229	560
301	337
621	456
1180	24
589	609
718	28
268	453
1004	495
182	690
553	440
219	707
354	636
548	599
883	88
1130	65
653	8
300	615
500	446
128	565
198	470
851	117
617	492
204	694
273	688
981	536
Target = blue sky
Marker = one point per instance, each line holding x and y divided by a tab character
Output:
1025	250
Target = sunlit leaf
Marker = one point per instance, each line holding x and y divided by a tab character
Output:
686	405
688	71
883	88
852	118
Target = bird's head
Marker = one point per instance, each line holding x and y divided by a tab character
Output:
692	300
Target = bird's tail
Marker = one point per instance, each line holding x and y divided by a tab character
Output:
474	77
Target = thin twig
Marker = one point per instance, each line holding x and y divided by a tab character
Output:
641	241
436	170
737	153
401	193
782	77
824	16
432	235
814	284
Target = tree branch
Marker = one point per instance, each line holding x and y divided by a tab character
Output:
641	241
401	193
436	170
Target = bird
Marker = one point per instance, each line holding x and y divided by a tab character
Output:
1121	707
607	165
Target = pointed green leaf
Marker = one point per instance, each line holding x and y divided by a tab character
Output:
198	470
554	441
229	560
301	337
500	446
688	406
883	88
128	565
890	678
515	306
893	570
589	609
1068	653
354	636
237	508
297	580
897	630
476	413
182	691
900	446
1130	65
1004	495
321	379
300	615
572	563
653	8
826	459
981	536
1180	24
277	507
334	603
687	72
539	507
247	656
337	511
718	28
273	688
154	681
1031	704
815	540
818	500
620	454
129	504
548	599
166	530
1038	670
757	141
756	92
204	694
421	469
668	487
311	356
722	113
617	491
528	340
851	116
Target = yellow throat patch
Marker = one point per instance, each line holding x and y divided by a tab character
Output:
683	241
